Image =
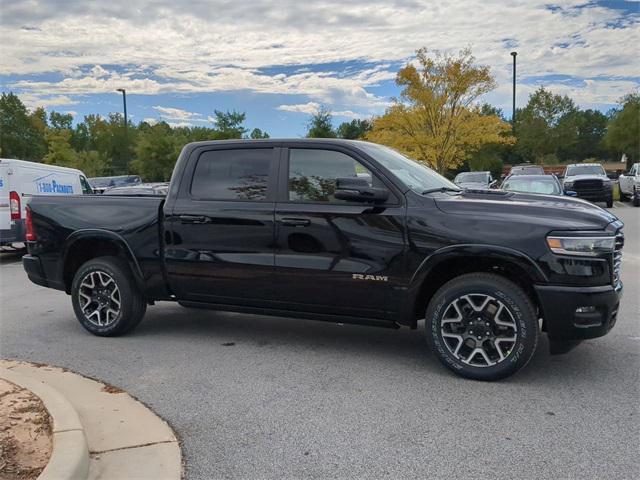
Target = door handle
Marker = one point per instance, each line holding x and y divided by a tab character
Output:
193	219
295	222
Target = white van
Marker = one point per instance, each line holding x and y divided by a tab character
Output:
19	178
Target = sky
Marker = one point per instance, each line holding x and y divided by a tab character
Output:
279	61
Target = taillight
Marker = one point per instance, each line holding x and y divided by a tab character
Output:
30	235
14	202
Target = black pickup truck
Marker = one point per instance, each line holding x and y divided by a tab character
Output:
343	231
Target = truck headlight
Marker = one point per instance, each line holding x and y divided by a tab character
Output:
587	246
568	185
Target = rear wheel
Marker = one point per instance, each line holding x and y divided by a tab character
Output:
636	197
105	298
609	202
482	326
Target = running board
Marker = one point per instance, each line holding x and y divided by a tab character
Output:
325	317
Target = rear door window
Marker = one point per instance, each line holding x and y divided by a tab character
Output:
238	174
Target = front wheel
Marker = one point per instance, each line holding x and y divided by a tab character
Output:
636	198
482	326
105	298
610	203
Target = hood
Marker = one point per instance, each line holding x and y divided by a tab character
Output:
556	212
590	176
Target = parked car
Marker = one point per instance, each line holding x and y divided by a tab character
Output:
540	184
630	185
19	178
100	184
526	169
139	189
589	181
474	180
291	228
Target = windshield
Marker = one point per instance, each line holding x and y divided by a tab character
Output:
547	186
526	170
415	175
585	170
471	177
99	182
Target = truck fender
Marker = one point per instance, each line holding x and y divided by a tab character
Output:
104	235
471	251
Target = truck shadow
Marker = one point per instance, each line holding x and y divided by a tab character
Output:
256	334
231	330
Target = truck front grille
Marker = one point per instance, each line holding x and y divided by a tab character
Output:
617	260
587	185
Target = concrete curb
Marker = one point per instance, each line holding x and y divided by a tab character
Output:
70	454
100	431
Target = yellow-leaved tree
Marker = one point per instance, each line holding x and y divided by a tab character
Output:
436	120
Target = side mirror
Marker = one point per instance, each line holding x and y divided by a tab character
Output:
571	193
356	189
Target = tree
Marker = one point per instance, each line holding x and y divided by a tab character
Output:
59	148
19	133
436	120
591	128
92	163
38	119
256	133
547	125
354	129
623	130
156	152
60	120
320	124
489	157
229	125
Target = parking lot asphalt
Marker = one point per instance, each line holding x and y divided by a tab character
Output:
263	397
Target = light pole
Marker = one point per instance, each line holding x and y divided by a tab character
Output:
126	135
513	112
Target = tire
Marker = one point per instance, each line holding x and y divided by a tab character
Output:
636	198
98	286
501	300
623	197
609	202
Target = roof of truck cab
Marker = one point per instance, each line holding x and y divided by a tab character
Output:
329	141
28	163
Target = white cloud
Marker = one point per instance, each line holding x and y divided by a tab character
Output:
309	108
176	113
152	47
34	100
348	114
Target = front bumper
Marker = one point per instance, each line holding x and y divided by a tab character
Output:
594	195
565	325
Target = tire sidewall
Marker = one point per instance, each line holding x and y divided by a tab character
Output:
114	268
513	298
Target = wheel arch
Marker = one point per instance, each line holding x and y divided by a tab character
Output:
83	245
450	262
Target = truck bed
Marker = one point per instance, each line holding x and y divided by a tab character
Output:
62	221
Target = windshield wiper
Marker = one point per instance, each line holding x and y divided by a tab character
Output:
442	189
